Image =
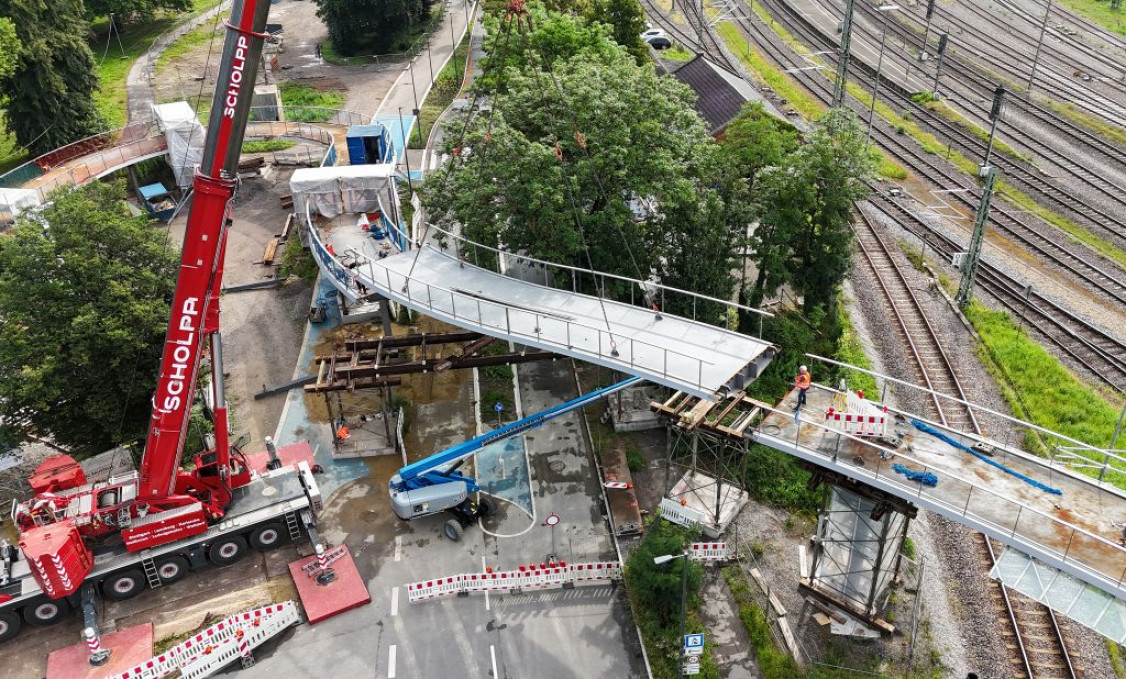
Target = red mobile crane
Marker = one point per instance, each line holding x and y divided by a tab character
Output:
167	519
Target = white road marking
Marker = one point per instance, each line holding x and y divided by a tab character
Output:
394	601
398	547
493	655
391	662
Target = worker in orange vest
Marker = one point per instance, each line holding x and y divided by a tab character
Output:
802	382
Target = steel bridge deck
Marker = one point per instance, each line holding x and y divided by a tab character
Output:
690	356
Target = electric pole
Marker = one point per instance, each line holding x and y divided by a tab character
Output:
923	56
842	57
942	40
989	173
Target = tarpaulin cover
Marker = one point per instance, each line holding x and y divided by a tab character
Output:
333	191
15	201
185	139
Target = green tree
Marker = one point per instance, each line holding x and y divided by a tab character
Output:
755	140
50	94
133	10
657	587
85	290
627	20
599	162
9	48
356	26
804	206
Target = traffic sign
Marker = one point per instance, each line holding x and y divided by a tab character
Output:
498	407
551	520
693	642
692	669
692	659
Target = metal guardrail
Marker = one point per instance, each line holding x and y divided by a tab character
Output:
471	311
1085	555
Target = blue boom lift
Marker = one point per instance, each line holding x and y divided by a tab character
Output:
434	484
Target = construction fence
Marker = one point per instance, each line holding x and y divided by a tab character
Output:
533	577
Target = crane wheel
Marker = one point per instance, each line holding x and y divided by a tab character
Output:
265	538
172	569
10	625
452	530
227	550
125	585
46	612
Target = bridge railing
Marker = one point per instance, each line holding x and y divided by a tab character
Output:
1072	548
639	291
1101	467
37	167
539	328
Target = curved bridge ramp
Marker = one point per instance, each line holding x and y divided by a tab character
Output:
690	356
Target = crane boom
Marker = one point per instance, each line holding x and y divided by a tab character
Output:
195	306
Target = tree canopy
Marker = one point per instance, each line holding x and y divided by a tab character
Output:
592	160
355	26
50	95
9	48
804	209
85	290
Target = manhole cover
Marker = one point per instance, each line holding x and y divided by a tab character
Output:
557	466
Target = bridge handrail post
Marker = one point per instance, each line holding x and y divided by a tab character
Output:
1016	521
1070	539
453	304
631	354
507	322
480	317
966	507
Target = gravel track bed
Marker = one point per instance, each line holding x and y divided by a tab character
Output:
955	547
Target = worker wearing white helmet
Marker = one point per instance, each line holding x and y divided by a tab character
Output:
802	383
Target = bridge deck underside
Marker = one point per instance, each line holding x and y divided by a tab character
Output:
686	355
1048	526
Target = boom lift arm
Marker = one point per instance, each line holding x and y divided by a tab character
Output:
433	485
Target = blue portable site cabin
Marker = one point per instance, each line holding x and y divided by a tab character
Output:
369	145
158	201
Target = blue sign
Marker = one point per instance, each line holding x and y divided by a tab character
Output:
498	407
693	641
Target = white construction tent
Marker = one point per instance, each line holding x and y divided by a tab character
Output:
178	122
15	201
347	189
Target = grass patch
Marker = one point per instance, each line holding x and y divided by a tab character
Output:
298	261
1115	652
774	663
331	56
200	35
1039	389
267	145
850	350
677	53
114	67
1083	119
446	87
11	155
305	104
1100	12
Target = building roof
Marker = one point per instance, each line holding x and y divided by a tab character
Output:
720	94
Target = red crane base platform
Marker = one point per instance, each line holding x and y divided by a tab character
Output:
131	647
345	592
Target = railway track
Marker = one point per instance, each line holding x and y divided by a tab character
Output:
1036	645
1104	223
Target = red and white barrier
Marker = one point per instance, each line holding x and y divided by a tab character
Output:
855	416
708	551
218	645
533	576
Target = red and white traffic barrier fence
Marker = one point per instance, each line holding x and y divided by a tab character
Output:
218	645
708	551
531	576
